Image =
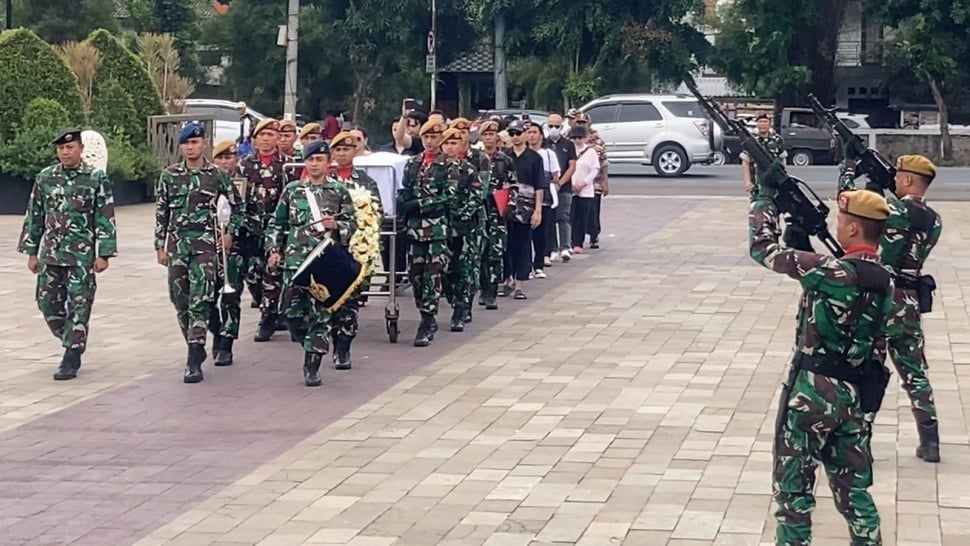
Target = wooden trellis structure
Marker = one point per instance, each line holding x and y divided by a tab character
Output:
163	134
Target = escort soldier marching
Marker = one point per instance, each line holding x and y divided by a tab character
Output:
266	179
827	405
464	230
483	171
293	234
501	176
344	147
225	315
912	231
68	235
424	200
187	194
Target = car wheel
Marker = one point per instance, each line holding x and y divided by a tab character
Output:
801	158
670	160
719	159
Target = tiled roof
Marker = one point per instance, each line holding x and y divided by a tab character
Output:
204	7
479	59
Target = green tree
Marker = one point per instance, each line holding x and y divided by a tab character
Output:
780	49
58	21
931	40
30	150
179	18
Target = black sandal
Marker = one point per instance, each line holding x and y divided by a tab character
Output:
520	295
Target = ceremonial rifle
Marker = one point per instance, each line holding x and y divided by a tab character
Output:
869	162
792	194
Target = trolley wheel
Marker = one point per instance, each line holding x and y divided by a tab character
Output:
392	330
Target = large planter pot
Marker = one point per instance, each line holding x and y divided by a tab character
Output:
129	193
14	194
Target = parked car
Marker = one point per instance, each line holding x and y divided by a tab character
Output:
537	116
670	132
223	112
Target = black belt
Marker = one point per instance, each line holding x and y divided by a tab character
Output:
835	367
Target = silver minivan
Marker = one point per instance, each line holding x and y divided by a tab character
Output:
670	132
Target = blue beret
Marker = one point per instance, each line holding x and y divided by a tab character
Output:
316	147
191	130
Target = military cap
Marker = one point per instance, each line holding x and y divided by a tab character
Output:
864	204
343	138
316	147
762	116
193	129
224	147
581	117
67	135
460	123
578	132
284	123
450	134
916	164
268	123
516	126
311	129
571	113
488	126
431	127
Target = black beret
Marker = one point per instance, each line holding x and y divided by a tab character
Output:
67	135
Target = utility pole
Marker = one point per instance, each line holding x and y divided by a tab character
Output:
501	85
9	15
433	52
292	47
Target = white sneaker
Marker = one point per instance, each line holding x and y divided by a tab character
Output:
554	257
566	255
540	274
532	275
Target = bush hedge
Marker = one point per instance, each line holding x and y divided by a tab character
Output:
120	65
113	111
30	68
30	150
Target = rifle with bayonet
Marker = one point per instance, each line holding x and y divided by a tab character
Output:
869	162
793	197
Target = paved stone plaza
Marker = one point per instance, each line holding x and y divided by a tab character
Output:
630	400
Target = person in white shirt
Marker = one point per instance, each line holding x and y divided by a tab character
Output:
587	167
544	236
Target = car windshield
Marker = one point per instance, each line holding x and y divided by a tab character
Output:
684	108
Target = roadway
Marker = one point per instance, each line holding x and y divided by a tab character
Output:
951	184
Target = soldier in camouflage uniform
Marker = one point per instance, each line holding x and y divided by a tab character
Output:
225	316
68	235
266	179
483	170
424	200
820	417
290	238
772	142
344	148
501	175
185	239
464	229
911	234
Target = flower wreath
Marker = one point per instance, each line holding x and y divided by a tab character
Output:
365	244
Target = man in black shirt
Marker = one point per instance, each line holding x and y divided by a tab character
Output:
527	213
566	154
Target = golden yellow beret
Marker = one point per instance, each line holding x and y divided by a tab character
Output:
287	123
431	127
460	123
488	126
864	204
311	129
450	134
223	147
268	123
916	164
343	138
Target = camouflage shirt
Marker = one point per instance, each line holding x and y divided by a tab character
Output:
360	179
482	164
775	146
600	147
70	218
502	176
466	210
185	209
265	183
903	247
427	183
291	232
826	323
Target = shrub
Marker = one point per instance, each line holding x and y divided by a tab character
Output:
127	162
30	68
119	64
113	111
30	150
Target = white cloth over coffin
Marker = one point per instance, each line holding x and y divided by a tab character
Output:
95	150
387	170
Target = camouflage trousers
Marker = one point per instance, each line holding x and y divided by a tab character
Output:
492	252
192	289
65	295
428	262
225	315
820	420
263	282
461	278
344	321
905	341
254	263
303	313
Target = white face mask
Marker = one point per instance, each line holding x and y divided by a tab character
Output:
554	133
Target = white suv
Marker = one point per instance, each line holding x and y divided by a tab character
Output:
670	132
224	113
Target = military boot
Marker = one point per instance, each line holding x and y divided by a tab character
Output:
466	317
70	364
489	297
216	343
193	364
457	324
426	331
929	442
311	369
223	354
267	326
341	352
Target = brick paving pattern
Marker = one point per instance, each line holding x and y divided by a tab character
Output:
630	401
